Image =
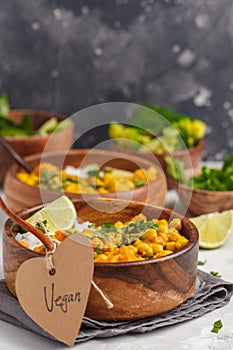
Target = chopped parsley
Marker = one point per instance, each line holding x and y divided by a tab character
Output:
140	183
134	227
201	263
215	274
217	326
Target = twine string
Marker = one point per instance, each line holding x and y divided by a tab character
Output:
52	270
105	298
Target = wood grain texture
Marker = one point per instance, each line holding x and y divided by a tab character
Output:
20	195
189	157
136	289
28	145
201	202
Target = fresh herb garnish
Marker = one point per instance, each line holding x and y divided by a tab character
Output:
98	250
201	263
41	226
142	226
91	226
93	172
208	179
108	225
140	183
215	274
217	326
107	169
9	127
4	106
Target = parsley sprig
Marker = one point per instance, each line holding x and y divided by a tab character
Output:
217	326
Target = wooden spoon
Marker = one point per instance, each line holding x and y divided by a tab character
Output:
15	155
35	231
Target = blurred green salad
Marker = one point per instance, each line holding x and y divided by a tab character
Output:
10	128
208	179
163	131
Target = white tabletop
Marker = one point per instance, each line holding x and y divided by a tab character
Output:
191	335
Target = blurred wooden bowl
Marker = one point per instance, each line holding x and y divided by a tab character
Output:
200	202
20	195
27	145
190	157
136	289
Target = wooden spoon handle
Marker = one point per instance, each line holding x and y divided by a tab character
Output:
15	155
35	231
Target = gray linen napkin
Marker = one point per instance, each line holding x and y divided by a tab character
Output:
210	293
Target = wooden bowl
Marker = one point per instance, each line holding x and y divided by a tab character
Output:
136	289
27	145
200	202
190	157
20	195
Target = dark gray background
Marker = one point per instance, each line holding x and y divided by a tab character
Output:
65	55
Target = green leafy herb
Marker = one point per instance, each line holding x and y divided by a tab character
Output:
91	226
4	105
217	326
175	169
93	172
201	263
140	183
107	169
24	128
98	250
208	179
215	274
149	122
107	225
70	180
41	225
142	226
26	125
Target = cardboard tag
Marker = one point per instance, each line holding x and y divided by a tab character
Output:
57	302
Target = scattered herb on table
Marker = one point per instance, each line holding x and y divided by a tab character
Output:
217	326
201	263
215	274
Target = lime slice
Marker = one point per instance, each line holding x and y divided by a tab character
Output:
214	228
122	174
64	124
48	127
59	215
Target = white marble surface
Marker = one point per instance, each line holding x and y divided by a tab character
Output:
192	335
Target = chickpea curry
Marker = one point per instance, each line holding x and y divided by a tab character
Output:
135	240
91	179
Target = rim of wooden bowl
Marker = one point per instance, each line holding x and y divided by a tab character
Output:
193	238
84	151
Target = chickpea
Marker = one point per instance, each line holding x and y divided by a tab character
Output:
176	223
157	248
163	228
150	235
173	236
181	242
145	249
171	246
101	258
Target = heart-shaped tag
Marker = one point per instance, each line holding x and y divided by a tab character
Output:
57	302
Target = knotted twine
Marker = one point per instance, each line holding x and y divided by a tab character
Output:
52	269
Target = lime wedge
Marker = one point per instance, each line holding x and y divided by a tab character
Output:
214	228
59	215
122	174
48	127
